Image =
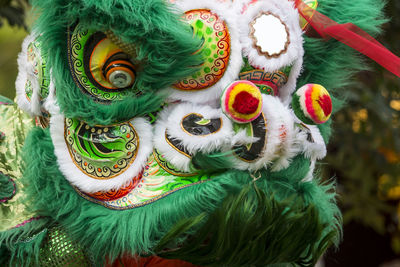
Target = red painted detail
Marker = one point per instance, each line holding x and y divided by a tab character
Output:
326	104
245	103
116	194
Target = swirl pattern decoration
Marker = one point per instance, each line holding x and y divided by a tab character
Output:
216	49
101	152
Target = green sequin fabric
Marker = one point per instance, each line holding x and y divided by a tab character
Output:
60	250
14	126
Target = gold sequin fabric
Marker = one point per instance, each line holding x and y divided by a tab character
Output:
14	126
130	49
59	249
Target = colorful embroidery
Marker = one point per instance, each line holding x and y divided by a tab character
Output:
101	152
156	183
216	49
28	90
313	4
28	221
38	60
43	121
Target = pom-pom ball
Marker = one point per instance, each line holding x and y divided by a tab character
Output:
242	101
312	104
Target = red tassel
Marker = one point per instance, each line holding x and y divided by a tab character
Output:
351	35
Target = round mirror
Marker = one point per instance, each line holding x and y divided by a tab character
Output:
270	35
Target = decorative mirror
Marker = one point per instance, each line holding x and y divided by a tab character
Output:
270	35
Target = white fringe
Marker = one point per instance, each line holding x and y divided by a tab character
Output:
25	73
86	183
278	151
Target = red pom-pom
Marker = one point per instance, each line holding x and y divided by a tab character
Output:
245	103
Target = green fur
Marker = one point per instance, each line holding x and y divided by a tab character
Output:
253	229
166	46
101	229
331	63
138	231
20	246
8	188
216	161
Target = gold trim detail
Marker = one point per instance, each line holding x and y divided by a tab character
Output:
169	143
169	171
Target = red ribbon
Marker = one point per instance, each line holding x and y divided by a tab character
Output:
351	35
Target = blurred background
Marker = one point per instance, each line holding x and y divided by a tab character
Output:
364	154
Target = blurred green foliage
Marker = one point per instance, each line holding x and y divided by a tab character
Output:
13	11
12	32
364	152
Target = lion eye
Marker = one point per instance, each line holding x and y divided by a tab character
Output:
119	73
120	78
99	66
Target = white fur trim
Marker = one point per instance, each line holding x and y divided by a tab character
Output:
241	138
313	150
288	147
287	12
86	183
194	143
25	73
278	149
226	13
176	158
310	175
170	121
50	103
